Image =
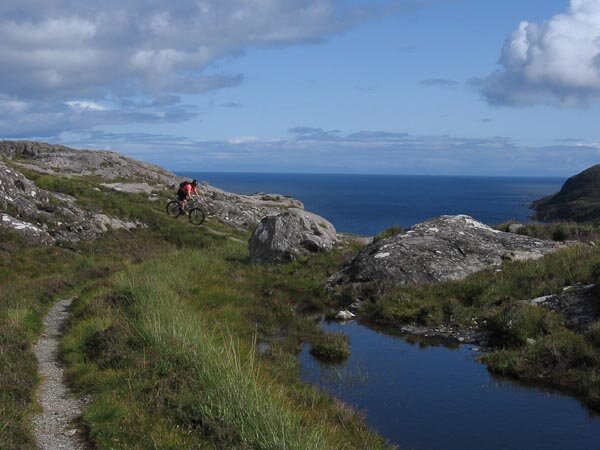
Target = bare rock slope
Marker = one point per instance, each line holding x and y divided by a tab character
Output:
45	217
442	249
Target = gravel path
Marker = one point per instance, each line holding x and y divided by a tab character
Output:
55	427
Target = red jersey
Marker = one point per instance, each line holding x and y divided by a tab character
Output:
187	189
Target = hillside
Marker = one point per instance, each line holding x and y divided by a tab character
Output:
578	200
166	317
41	187
174	339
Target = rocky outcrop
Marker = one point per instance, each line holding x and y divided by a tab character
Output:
579	305
442	249
281	238
245	211
578	200
61	160
44	217
237	210
130	188
33	234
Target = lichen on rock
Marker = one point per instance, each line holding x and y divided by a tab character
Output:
441	249
282	238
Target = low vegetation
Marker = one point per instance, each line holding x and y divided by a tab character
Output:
389	232
164	336
332	347
31	278
533	343
168	320
560	231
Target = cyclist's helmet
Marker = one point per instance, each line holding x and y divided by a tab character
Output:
194	182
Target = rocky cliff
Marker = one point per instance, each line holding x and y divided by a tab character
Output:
578	200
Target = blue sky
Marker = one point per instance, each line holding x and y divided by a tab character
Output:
461	87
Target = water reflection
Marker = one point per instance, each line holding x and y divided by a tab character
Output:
434	397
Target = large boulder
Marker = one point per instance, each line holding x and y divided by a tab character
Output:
442	249
280	239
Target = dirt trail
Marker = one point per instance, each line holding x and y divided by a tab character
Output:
55	427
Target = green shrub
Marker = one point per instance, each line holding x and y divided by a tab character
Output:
514	324
560	233
593	335
392	231
331	347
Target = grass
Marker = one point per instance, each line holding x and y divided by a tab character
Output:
562	358
164	332
485	292
531	343
31	278
560	231
180	343
331	347
389	232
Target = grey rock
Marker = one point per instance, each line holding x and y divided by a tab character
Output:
530	341
515	227
47	218
356	305
61	160
280	239
344	316
244	211
442	249
67	224
130	188
578	305
32	233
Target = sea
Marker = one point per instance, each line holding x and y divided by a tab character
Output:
369	204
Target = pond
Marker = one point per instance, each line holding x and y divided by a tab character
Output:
435	397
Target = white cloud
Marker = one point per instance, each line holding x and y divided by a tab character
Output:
75	47
557	61
83	105
315	150
137	51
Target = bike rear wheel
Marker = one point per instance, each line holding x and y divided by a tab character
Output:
173	209
197	216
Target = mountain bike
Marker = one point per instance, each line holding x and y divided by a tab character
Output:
194	211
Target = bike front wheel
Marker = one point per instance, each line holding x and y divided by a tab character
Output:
197	216
173	209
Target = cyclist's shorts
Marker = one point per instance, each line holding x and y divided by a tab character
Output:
181	195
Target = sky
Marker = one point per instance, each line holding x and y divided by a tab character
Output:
435	87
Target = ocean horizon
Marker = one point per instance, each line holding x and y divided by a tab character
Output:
368	204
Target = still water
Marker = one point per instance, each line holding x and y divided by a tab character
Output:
435	397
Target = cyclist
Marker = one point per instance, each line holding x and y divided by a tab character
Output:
186	191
